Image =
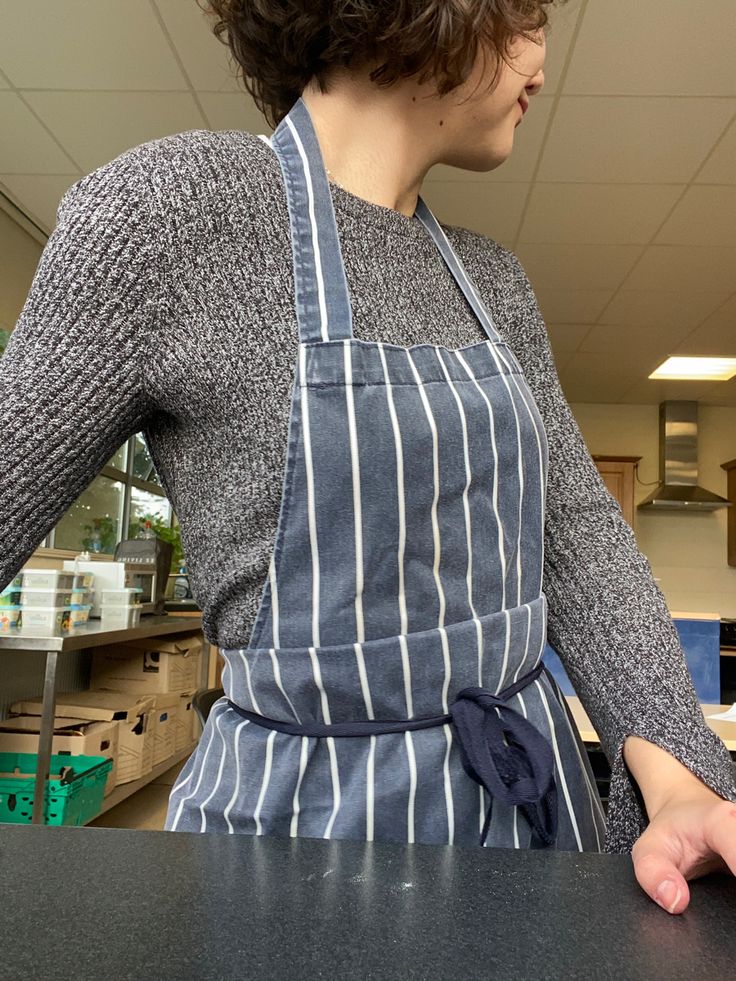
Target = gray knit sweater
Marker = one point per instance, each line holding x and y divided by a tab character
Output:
163	303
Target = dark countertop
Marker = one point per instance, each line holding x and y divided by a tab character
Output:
85	904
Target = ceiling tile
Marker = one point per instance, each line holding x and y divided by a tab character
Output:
233	110
589	267
673	48
566	338
705	216
521	164
720	168
571	306
578	388
725	314
96	126
19	257
597	213
629	140
109	44
657	341
691	267
205	59
491	209
29	149
562	22
648	391
716	336
716	341
597	377
655	308
561	358
723	393
38	195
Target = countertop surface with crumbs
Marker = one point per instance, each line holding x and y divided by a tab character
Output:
93	903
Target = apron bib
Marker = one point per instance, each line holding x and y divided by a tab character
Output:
392	688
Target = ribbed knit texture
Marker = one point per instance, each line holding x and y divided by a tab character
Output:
163	303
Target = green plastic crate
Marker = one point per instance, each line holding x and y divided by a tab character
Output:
74	791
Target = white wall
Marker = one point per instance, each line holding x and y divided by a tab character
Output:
687	550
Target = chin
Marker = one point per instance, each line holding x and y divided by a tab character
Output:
481	160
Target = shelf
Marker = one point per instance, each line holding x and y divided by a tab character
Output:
126	790
92	634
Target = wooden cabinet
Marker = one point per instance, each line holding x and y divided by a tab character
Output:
730	468
619	476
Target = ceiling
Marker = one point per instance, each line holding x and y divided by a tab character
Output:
619	198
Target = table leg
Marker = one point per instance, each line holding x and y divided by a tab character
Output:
45	739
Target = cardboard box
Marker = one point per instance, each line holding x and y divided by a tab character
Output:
151	665
163	727
185	723
80	737
131	711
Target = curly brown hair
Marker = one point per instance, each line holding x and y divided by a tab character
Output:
281	45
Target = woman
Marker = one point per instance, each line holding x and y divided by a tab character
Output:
356	416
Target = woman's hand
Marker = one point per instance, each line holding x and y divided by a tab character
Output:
684	840
691	831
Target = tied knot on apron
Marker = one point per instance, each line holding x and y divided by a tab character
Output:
508	757
499	749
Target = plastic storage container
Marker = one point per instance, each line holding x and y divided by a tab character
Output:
74	791
10	595
45	619
46	597
10	618
119	617
47	579
128	596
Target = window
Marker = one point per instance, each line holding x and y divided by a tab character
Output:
126	493
94	520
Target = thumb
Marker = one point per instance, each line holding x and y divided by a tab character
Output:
658	876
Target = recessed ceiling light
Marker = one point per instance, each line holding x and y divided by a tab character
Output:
707	369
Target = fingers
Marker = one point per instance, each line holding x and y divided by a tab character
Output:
658	876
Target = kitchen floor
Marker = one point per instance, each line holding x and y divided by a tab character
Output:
146	809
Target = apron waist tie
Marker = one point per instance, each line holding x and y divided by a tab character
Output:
500	750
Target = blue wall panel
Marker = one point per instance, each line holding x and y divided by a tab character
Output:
700	641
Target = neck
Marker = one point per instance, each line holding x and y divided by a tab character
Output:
376	142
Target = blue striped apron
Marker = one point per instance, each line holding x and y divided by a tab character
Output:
392	689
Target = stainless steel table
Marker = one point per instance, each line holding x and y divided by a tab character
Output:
82	637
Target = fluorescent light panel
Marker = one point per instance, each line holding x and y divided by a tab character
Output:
707	369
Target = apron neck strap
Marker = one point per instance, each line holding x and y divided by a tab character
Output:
323	305
453	263
322	297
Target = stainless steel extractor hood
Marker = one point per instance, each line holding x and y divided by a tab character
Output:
678	463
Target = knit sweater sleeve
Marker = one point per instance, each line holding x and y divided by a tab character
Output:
608	619
71	379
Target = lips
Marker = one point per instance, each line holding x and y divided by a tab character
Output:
524	106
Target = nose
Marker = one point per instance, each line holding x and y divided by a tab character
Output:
535	85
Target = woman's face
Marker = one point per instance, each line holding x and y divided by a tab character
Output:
480	123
